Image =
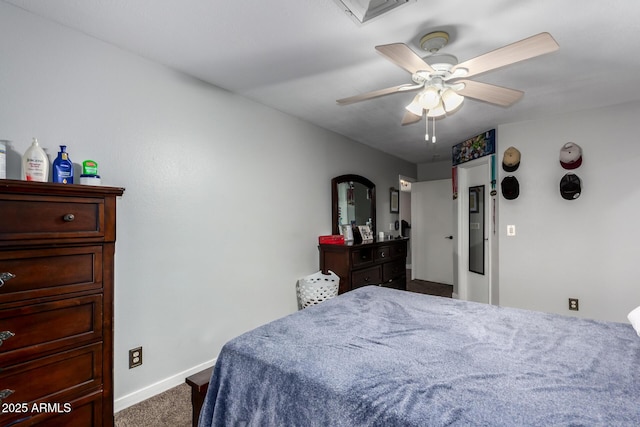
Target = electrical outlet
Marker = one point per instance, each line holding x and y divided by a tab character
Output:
573	304
135	357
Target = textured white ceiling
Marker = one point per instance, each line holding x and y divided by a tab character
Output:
299	56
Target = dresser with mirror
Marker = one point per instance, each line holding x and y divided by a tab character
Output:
379	262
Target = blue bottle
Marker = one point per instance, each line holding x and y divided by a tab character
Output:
63	167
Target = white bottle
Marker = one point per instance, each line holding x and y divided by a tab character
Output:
35	163
3	160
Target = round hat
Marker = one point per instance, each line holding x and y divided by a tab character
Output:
570	186
511	159
570	155
510	187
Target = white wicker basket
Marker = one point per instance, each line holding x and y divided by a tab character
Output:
316	288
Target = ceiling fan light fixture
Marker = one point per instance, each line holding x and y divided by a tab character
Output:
451	100
437	111
415	107
429	98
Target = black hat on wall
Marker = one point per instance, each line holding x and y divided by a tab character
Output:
570	186
510	187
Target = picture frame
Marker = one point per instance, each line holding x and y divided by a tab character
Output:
366	233
394	200
347	232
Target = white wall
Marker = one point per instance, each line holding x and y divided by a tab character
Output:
585	248
224	197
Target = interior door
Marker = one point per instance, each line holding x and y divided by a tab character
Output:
432	231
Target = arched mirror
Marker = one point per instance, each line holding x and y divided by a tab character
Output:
354	202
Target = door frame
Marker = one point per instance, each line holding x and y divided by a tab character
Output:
404	215
461	211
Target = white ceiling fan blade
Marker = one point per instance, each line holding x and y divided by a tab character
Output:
410	118
489	93
377	93
401	55
519	51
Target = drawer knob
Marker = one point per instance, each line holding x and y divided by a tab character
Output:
69	217
5	335
5	277
382	255
5	393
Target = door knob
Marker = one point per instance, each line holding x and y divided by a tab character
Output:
449	237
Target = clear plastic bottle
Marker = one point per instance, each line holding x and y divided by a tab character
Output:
35	163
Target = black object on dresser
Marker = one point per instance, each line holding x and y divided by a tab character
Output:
57	246
378	263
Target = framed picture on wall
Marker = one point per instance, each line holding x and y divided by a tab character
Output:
395	200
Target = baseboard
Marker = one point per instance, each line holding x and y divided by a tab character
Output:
157	388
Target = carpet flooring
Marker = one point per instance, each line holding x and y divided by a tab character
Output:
169	409
173	407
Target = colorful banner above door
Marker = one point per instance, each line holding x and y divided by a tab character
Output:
473	148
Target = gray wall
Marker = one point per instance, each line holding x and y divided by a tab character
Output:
224	198
434	171
585	248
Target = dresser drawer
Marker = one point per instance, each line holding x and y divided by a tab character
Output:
382	254
35	329
398	250
361	257
26	218
369	276
48	272
394	270
54	378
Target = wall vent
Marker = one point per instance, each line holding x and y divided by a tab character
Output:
362	11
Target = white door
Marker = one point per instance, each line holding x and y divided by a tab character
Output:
432	231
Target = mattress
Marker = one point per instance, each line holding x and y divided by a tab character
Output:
383	357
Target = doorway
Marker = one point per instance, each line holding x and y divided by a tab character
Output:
476	239
432	231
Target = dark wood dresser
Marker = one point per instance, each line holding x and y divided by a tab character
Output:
378	263
56	303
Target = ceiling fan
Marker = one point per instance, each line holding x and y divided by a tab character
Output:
445	83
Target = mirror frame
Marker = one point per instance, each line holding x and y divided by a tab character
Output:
334	199
477	209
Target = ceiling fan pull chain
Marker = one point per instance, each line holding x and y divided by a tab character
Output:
426	135
433	140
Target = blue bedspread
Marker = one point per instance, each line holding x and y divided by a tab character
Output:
382	357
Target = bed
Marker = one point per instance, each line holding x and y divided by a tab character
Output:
383	357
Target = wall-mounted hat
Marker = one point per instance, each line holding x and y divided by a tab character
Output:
570	155
511	159
570	186
510	187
